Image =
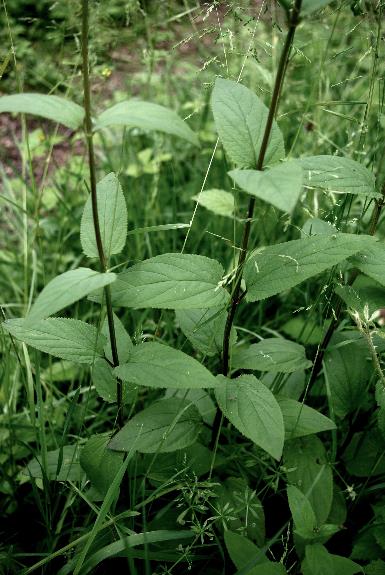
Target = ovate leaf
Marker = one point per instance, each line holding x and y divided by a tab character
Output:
112	213
204	328
240	119
66	338
51	107
253	410
308	469
309	6
123	341
365	300
105	383
167	425
347	369
100	463
338	175
273	269
305	330
146	116
243	551
194	459
318	561
64	290
62	465
279	186
272	354
157	365
217	201
200	398
304	519
59	371
316	227
300	419
372	261
365	454
171	281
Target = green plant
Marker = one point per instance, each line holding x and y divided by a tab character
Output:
166	436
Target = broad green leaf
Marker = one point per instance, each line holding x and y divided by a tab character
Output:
240	119
339	175
156	365
204	328
347	371
100	463
265	568
123	341
171	281
272	354
309	6
308	469
70	339
365	547
112	211
365	454
274	269
318	561
346	566
304	519
280	186
200	398
300	419
338	511
291	385
69	470
316	227
60	371
253	410
105	383
217	201
242	551
245	508
51	107
371	262
195	459
167	425
146	116
366	300
306	330
64	290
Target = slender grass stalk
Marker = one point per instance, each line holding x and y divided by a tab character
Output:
94	200
282	66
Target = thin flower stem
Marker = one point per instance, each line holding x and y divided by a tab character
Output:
94	201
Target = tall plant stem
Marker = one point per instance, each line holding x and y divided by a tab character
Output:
338	307
282	66
94	201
